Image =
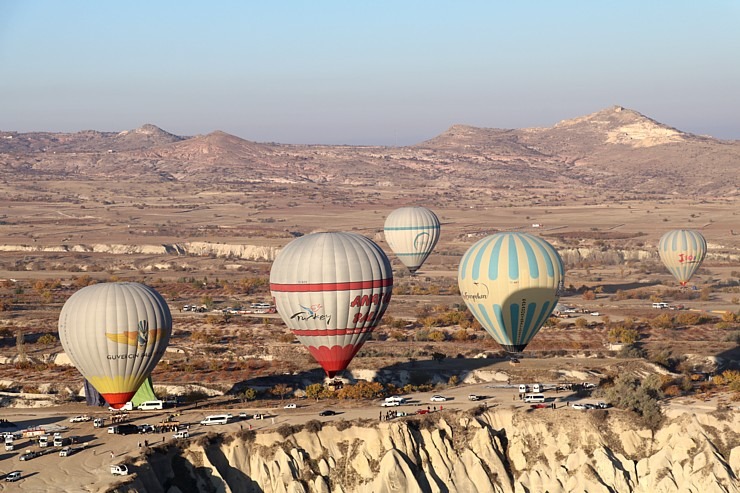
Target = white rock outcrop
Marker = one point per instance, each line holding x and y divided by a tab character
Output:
498	451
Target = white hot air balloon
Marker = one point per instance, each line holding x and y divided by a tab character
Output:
332	289
412	233
115	333
682	252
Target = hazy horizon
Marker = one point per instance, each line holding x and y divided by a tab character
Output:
364	74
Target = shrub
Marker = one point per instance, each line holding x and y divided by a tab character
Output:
313	426
663	321
342	424
631	351
640	396
47	339
285	430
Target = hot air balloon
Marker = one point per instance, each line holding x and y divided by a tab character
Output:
412	232
511	283
332	289
682	251
115	333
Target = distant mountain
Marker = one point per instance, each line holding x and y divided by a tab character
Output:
85	141
614	149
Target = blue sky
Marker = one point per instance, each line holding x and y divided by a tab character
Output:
351	72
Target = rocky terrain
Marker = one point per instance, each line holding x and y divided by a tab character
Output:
616	149
485	451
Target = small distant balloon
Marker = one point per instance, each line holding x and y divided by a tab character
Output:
115	334
682	252
511	282
332	289
412	233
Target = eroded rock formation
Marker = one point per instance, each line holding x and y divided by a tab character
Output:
495	451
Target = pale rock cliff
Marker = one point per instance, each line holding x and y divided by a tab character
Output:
502	451
196	248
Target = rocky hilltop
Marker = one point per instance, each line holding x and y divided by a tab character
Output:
617	149
483	451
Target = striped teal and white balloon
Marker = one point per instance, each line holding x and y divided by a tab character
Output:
511	283
332	289
682	252
412	233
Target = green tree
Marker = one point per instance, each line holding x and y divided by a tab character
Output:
248	395
640	396
315	391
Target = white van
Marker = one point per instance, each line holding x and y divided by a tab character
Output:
534	398
661	306
151	406
216	419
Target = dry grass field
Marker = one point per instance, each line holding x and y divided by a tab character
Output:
59	236
201	220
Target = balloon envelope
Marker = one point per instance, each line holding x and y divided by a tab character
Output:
115	333
332	289
412	233
682	252
511	283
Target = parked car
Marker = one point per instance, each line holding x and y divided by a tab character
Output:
603	405
438	398
29	455
290	406
13	476
146	428
422	411
390	403
80	419
119	470
66	452
327	412
181	434
579	406
474	397
541	405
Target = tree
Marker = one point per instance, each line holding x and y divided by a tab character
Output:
436	336
663	321
461	335
47	339
640	396
315	391
281	390
438	357
248	395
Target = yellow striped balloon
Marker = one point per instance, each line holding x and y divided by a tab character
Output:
682	252
511	283
115	333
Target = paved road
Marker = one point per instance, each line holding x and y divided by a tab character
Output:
89	469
